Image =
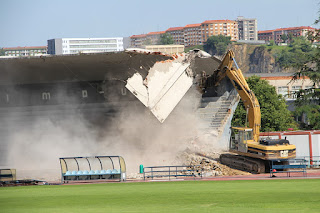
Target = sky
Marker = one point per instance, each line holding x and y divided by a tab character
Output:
33	22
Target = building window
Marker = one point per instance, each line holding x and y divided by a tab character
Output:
46	96
84	93
283	91
295	89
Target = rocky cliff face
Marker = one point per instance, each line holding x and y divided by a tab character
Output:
256	59
261	61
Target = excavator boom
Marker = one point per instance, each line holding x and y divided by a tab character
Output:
247	96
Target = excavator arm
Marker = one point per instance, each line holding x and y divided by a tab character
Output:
252	155
247	96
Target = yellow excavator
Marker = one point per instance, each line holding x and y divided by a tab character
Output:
167	82
250	152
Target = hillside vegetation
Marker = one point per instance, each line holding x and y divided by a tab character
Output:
273	58
269	58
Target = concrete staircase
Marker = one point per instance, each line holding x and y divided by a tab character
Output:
214	112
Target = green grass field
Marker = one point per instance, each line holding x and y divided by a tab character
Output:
301	195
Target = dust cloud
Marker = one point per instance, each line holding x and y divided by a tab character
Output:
34	150
35	145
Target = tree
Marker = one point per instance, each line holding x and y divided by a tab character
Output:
217	44
148	41
297	53
290	37
310	116
284	38
166	38
272	43
312	36
275	115
308	100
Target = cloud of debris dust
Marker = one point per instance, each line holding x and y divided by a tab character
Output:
36	144
142	139
35	148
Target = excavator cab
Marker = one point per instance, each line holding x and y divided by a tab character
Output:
240	136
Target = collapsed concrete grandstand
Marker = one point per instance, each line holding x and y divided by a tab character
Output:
80	105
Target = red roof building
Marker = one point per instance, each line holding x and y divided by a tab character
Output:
177	34
275	35
25	51
219	27
154	37
138	40
191	34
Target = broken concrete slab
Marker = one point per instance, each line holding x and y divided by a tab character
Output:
163	88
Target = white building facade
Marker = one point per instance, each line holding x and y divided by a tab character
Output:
248	28
62	46
284	84
25	51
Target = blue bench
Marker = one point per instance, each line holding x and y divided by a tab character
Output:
90	175
96	172
288	169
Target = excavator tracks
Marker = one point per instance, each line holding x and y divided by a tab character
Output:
244	163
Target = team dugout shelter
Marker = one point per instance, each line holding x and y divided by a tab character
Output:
107	168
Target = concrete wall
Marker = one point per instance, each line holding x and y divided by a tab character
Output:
58	46
63	93
126	42
302	144
168	49
316	145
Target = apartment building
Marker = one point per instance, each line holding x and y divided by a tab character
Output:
138	40
177	34
151	38
154	37
219	27
247	28
197	34
62	46
25	51
275	35
266	35
192	35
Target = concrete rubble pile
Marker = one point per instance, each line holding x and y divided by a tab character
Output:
205	164
209	165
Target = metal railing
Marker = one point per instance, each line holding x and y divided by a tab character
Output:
172	171
312	162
